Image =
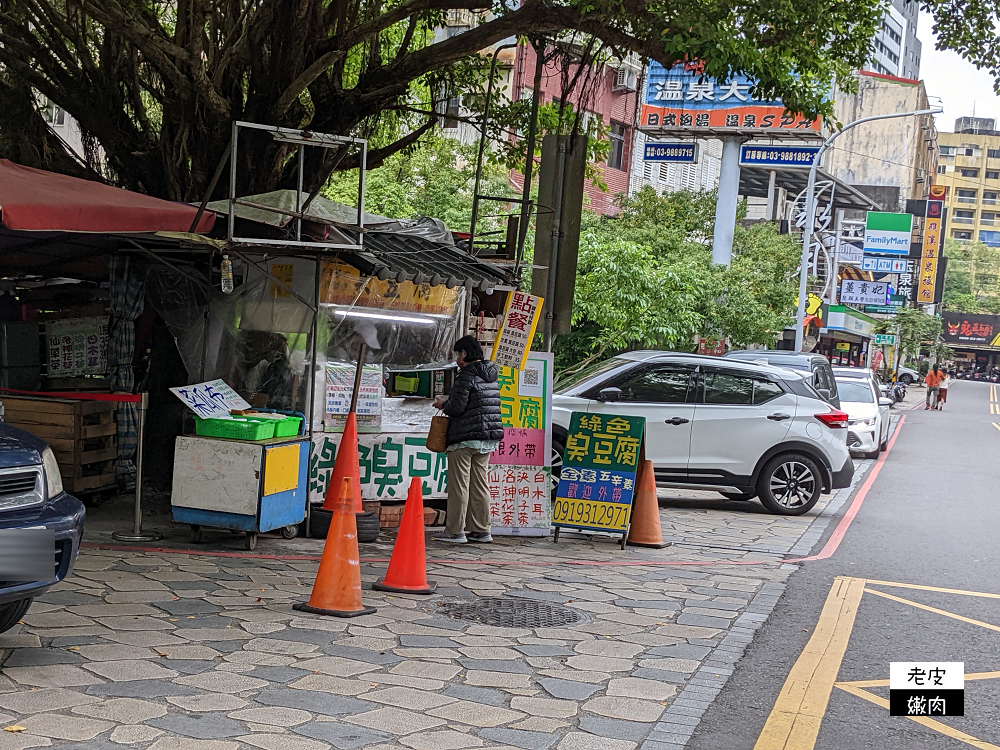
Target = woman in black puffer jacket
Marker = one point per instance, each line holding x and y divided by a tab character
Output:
475	430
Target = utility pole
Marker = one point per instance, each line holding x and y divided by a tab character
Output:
727	202
807	231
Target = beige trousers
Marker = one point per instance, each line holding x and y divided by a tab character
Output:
468	491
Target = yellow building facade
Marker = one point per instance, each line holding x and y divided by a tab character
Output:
969	165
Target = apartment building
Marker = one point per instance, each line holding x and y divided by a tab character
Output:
969	166
896	49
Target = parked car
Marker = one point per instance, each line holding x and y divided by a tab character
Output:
908	376
32	497
816	365
743	429
868	410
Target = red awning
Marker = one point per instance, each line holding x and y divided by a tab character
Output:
35	200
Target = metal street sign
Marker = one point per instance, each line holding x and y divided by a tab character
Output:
676	153
882	309
887	233
777	156
884	265
885	339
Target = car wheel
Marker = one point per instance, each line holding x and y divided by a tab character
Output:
738	495
790	484
11	612
906	380
558	448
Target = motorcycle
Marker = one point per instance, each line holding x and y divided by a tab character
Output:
898	392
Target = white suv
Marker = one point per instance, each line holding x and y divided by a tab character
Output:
744	429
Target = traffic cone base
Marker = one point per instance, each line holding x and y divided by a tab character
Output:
407	573
304	607
644	522
428	589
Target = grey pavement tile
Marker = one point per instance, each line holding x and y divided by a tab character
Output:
141	689
192	585
703	621
671	718
541	596
426	641
34	657
663	675
681	651
703	641
204	726
476	694
67	598
278	674
646	604
543	650
519	738
576	691
342	736
309	700
657	745
446	623
361	654
708	604
497	665
212	622
316	637
189	666
188	607
77	640
618	729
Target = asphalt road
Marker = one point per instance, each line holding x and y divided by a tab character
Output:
930	518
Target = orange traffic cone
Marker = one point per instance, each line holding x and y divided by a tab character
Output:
644	525
346	465
407	573
337	590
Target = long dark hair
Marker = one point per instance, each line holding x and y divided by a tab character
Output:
470	349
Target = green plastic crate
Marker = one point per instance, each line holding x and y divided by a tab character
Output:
235	429
286	427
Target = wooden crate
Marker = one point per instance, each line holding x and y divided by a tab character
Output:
81	434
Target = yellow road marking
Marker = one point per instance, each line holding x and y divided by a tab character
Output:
885	683
996	425
937	726
793	723
963	592
935	610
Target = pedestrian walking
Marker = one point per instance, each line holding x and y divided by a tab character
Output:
475	430
933	381
943	389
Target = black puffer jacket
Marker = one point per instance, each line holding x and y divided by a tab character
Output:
473	406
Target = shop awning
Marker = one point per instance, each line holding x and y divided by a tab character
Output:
754	183
39	201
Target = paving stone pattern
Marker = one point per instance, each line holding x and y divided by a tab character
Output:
197	652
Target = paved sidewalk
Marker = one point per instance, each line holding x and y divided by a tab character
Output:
187	651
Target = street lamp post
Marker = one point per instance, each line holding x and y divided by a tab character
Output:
807	232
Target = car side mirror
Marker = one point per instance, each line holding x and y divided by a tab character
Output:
885	402
825	393
610	394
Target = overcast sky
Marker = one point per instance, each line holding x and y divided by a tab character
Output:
957	83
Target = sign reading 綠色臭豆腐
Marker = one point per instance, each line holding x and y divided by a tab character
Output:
888	233
921	688
600	463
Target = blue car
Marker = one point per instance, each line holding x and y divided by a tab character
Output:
33	507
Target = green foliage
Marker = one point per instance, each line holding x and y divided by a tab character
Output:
915	328
645	280
972	278
434	179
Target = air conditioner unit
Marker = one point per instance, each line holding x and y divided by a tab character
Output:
626	79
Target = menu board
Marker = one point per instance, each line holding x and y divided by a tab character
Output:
77	346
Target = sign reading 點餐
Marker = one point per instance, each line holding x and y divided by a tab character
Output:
600	462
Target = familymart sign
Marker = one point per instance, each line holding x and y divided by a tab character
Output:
888	234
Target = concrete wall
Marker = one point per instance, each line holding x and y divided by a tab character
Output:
901	152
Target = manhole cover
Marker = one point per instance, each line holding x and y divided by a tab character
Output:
513	613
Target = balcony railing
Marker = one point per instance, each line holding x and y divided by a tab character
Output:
966	199
989	201
986	222
963	220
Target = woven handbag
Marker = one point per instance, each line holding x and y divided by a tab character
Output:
437	436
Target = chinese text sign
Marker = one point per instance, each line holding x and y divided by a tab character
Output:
77	346
210	400
600	462
513	340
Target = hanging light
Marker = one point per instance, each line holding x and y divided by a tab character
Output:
226	268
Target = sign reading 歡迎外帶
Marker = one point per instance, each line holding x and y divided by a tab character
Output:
683	97
888	233
600	463
675	153
777	156
513	340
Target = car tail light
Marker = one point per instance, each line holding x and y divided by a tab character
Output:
834	419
